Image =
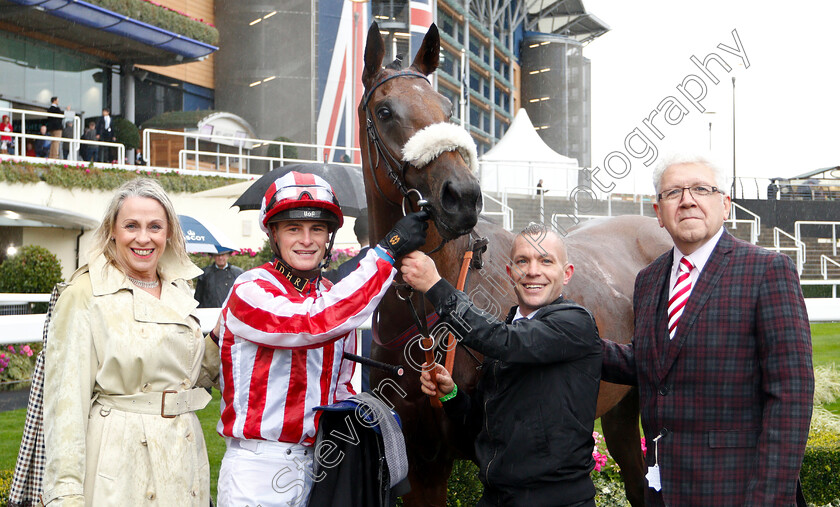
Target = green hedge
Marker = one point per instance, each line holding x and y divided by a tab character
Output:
127	133
32	270
95	178
820	473
162	17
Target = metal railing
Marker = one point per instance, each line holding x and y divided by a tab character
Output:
195	139
506	212
797	230
74	145
77	127
185	161
754	222
29	328
799	248
824	260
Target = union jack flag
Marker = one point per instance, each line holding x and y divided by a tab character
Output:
421	16
343	29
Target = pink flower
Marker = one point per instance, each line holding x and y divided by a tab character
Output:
27	350
644	447
87	171
600	461
2	355
12	348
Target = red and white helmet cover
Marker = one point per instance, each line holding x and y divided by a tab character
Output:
300	196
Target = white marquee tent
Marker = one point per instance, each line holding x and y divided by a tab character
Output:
521	158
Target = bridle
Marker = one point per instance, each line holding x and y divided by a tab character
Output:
394	168
396	171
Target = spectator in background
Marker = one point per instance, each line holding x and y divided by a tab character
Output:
540	190
30	149
42	146
7	144
360	228
54	127
772	190
90	151
67	133
105	132
213	286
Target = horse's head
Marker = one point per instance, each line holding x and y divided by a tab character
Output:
409	145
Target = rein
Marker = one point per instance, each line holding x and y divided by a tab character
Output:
472	259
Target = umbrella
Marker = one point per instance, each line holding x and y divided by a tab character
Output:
346	180
203	237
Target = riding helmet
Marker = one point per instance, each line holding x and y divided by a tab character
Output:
300	196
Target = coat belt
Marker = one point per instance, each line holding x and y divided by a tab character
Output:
166	404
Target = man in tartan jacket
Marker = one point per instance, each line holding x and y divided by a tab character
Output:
726	399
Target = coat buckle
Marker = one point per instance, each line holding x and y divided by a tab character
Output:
163	403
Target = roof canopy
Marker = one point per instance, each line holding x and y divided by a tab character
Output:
520	149
21	214
564	17
92	28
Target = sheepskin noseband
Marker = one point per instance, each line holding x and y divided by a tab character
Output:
437	138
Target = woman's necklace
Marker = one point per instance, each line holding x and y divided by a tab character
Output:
142	284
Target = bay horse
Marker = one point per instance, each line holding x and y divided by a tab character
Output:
398	103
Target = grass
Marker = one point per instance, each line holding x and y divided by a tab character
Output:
825	338
11	431
215	443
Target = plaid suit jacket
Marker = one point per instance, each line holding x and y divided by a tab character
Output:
731	395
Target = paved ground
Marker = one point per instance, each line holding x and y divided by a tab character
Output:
11	400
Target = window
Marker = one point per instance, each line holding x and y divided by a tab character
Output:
448	63
446	22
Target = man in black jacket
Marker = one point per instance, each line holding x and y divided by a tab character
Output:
534	407
105	132
213	286
54	127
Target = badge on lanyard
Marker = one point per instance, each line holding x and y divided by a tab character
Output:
652	476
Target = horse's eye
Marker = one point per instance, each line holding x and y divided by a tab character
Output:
383	113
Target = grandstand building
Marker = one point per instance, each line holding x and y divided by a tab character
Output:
291	68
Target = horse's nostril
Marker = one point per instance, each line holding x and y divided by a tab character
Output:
450	198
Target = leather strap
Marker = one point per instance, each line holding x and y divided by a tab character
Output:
167	404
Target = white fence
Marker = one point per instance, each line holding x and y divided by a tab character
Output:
244	145
19	138
29	328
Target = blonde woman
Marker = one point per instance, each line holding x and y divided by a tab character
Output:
126	364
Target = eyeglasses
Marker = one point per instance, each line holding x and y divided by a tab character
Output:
675	194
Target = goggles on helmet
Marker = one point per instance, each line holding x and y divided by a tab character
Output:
300	196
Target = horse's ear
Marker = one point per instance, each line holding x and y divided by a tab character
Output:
428	56
374	53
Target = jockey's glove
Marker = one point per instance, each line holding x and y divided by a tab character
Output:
408	234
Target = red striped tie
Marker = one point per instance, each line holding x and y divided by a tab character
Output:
681	291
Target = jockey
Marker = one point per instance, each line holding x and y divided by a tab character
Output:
282	334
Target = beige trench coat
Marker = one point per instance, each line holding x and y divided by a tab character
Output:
109	337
